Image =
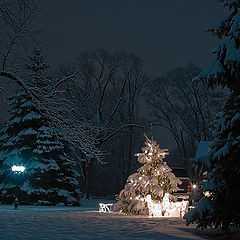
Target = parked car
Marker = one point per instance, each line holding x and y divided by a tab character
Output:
184	192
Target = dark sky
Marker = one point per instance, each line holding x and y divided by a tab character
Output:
166	34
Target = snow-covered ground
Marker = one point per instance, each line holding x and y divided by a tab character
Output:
85	222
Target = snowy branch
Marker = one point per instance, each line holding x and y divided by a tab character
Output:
19	81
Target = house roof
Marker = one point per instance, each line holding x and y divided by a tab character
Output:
202	152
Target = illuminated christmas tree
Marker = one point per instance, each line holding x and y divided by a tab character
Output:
148	192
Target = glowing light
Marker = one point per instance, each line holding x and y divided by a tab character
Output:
105	207
207	194
194	186
166	208
18	168
137	198
155	208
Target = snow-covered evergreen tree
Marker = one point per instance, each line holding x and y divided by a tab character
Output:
38	67
153	181
220	207
30	140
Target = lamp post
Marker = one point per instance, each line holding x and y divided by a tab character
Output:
194	186
18	170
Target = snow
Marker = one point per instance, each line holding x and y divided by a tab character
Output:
31	115
65	193
29	131
85	222
203	147
50	165
203	206
222	151
27	188
235	118
14	120
214	70
27	104
202	152
3	137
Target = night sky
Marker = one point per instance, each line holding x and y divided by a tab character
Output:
166	34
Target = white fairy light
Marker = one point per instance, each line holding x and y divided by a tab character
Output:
207	194
166	208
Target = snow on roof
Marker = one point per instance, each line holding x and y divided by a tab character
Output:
202	152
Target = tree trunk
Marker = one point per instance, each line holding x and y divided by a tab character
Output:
129	166
88	178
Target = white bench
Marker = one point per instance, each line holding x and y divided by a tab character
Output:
105	207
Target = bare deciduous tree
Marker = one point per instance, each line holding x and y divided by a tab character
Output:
184	107
107	85
16	18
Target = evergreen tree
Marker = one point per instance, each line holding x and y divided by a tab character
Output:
220	207
30	140
37	69
153	180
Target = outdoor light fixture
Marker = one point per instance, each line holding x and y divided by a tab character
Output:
18	169
194	186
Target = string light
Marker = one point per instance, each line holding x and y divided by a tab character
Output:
166	208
